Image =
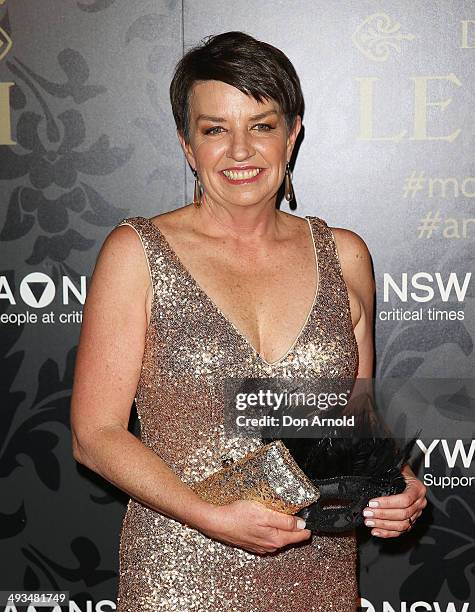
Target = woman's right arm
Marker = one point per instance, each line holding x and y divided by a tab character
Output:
107	372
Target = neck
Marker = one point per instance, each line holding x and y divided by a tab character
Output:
250	222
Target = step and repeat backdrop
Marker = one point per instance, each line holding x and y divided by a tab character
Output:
87	138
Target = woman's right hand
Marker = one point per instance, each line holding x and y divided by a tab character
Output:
253	527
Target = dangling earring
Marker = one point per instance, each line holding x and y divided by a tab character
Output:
289	190
197	191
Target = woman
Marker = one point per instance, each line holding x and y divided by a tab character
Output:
230	286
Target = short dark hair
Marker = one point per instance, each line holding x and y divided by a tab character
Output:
254	67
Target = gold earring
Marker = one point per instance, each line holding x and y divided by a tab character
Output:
289	190
197	191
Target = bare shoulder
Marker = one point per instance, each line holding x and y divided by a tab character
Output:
122	243
355	260
122	255
350	245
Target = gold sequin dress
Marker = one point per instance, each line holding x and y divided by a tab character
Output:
190	347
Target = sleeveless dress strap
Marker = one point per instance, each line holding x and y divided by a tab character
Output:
331	274
148	238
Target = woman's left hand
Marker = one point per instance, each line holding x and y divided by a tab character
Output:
393	515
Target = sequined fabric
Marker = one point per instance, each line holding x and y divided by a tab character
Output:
190	347
270	475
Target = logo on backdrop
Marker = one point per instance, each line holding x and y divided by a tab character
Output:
423	287
417	606
378	36
456	454
37	291
5	43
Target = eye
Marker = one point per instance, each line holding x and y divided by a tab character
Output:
211	130
266	127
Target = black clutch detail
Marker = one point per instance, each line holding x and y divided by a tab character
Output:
348	472
326	480
371	467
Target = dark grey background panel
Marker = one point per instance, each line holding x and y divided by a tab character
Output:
96	142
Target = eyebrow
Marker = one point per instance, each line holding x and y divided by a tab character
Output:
222	120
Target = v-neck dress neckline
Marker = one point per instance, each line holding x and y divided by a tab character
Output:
225	317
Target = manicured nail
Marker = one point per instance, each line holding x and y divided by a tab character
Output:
373	504
368	513
369	523
301	523
376	533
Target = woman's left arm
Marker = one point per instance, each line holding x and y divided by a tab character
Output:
393	515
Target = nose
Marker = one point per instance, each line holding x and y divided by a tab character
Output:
240	145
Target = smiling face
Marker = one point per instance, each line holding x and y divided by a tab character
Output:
238	146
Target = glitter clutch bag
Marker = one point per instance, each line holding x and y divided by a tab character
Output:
268	475
328	481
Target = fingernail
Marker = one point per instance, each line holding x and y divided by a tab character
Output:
373	504
369	523
301	523
376	533
368	513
